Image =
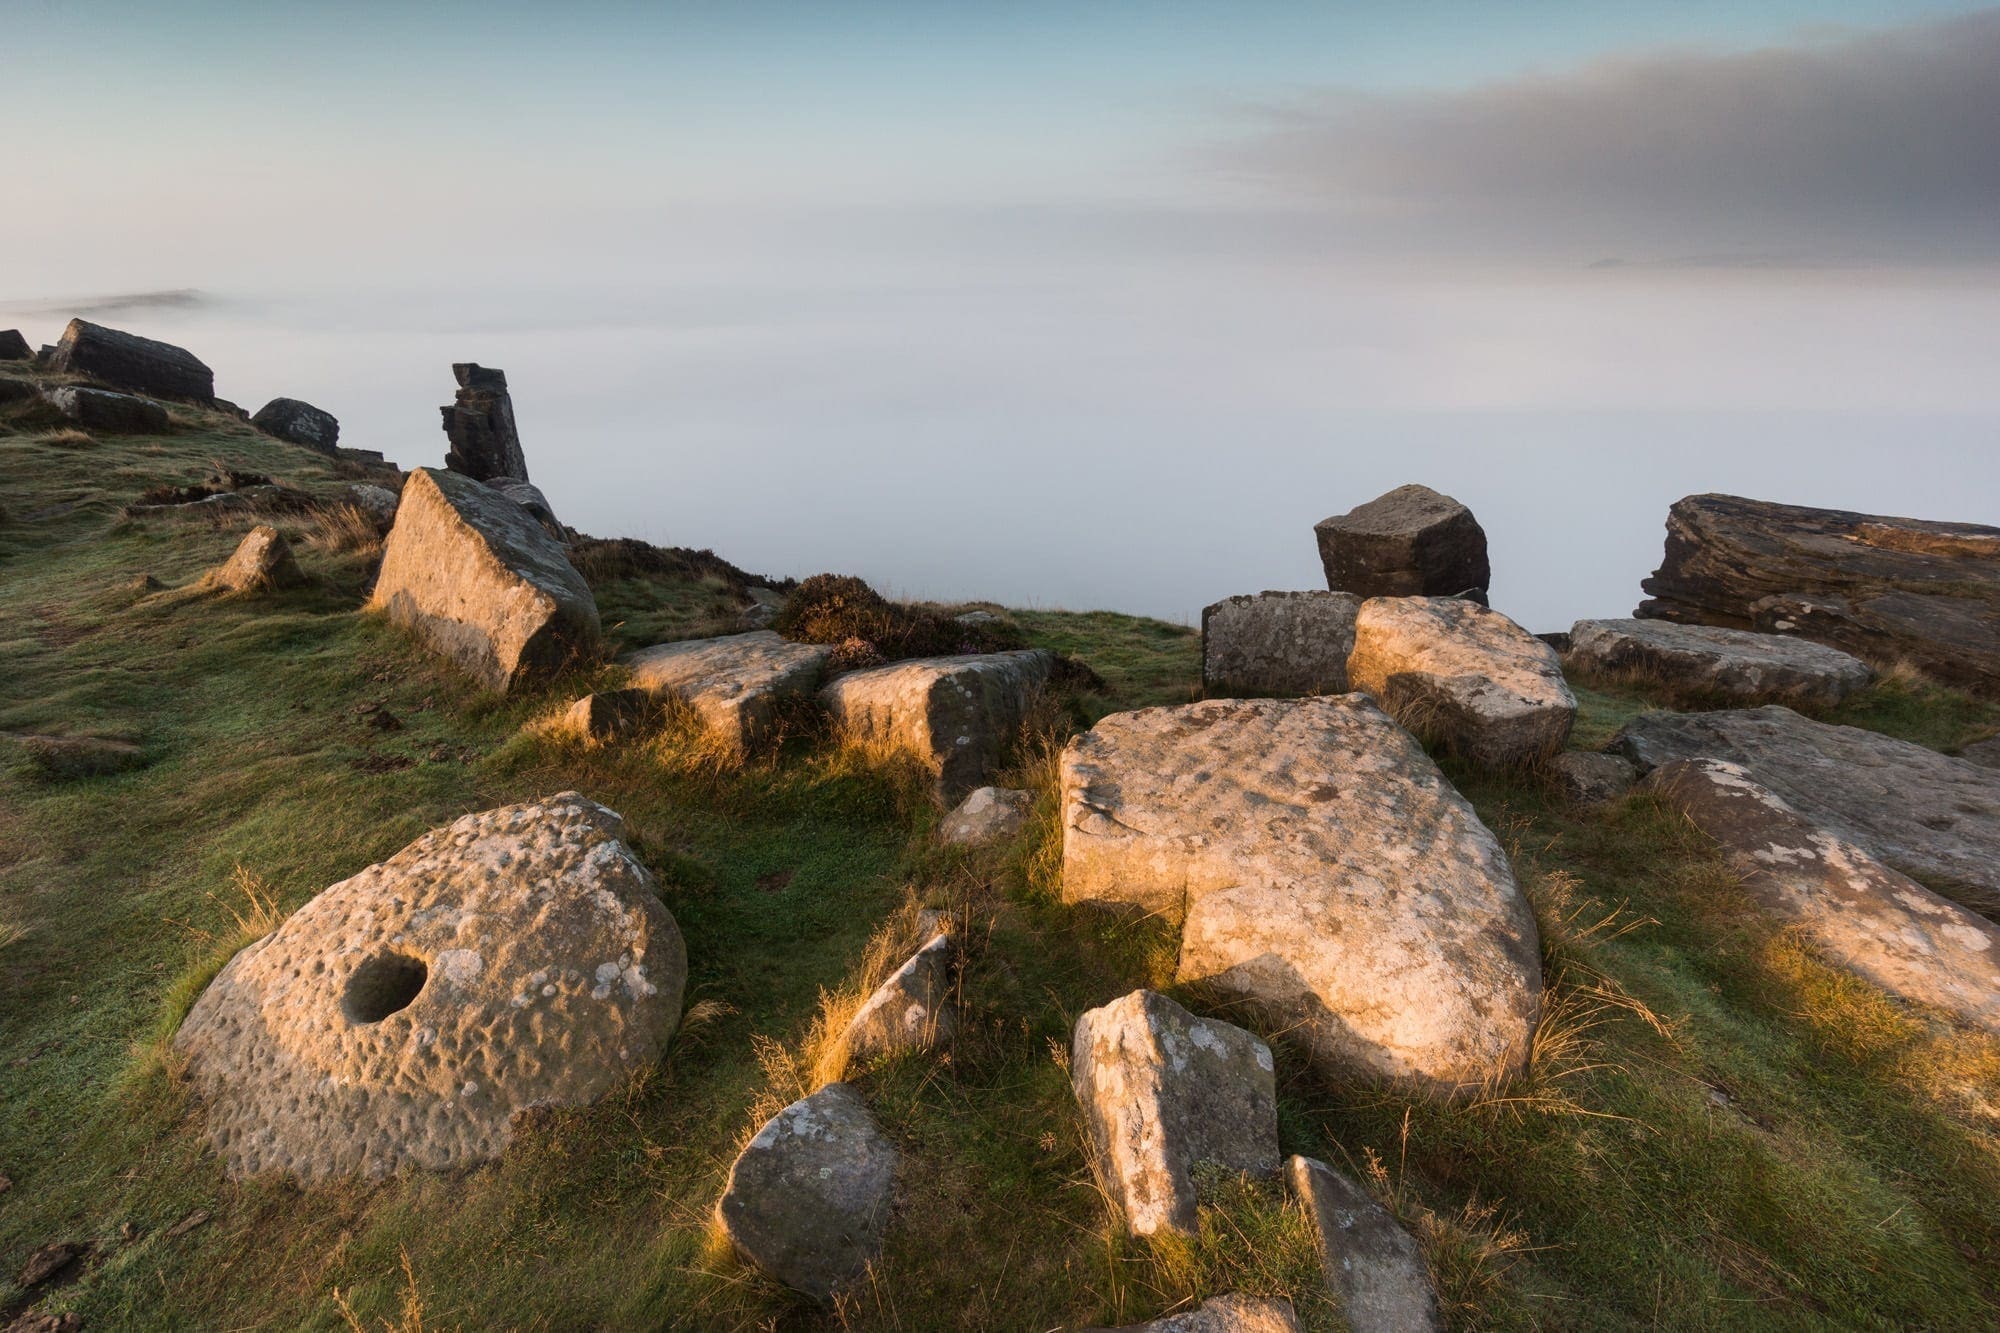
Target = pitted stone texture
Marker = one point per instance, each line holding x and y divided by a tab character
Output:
1162	1092
988	815
911	1011
262	561
127	361
1467	677
1278	643
1930	816
534	965
1231	1313
1327	871
1736	664
1861	914
808	1200
473	575
1411	542
299	423
1591	777
954	714
736	684
1372	1265
110	413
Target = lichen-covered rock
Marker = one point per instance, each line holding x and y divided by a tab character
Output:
482	583
1230	1313
1327	872
809	1198
1858	912
262	561
1372	1265
1278	643
479	422
1461	675
529	496
954	714
378	502
986	815
1591	777
517	958
1928	815
127	361
911	1011
1163	1092
737	684
299	423
1411	542
1735	664
106	412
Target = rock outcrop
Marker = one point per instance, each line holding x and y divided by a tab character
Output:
517	958
1411	542
1163	1092
127	361
1233	1312
13	347
955	715
1461	675
1372	1265
262	561
107	412
1281	644
809	1198
482	583
1886	589
1327	872
1859	913
1932	817
911	1011
479	422
1742	666
738	685
299	423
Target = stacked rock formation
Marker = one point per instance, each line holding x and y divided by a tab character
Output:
480	425
1411	542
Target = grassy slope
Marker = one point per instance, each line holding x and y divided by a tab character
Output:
1719	1129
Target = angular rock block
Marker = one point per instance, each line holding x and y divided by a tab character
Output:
299	423
954	714
1411	542
737	684
1740	665
1464	676
808	1200
378	502
988	815
479	580
1327	873
1589	777
1163	1092
1372	1265
1280	644
1862	915
16	391
479	422
607	714
262	561
134	364
109	413
520	957
13	347
1230	1313
911	1011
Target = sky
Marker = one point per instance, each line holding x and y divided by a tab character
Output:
1084	304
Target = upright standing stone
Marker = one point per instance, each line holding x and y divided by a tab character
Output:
127	361
262	561
299	423
480	426
1370	1262
1412	542
1278	643
13	347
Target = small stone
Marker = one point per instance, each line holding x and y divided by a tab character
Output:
378	502
1282	644
608	714
198	1218
47	1262
1371	1264
108	413
1591	777
987	815
145	583
299	423
1411	542
263	561
911	1011
46	1321
1231	1313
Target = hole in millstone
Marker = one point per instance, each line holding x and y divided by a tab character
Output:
382	985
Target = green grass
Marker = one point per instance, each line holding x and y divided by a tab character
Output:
1849	1177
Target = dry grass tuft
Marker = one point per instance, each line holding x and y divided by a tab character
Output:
68	438
345	527
410	1312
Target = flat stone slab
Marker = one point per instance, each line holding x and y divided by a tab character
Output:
519	957
809	1198
1162	1092
1411	542
1327	872
1372	1265
1740	665
987	815
736	684
1935	818
954	714
1461	675
1280	644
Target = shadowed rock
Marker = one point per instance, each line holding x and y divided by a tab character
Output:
1740	665
737	685
988	815
1985	753
1589	777
609	713
299	423
13	347
1371	1264
127	361
109	413
1411	542
262	561
953	714
16	391
1278	643
480	425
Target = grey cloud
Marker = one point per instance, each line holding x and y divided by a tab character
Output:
121	303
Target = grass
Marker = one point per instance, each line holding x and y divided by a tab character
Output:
1718	1128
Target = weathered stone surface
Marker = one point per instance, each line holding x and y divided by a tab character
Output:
1278	643
987	815
137	365
299	423
1464	676
1591	777
736	684
808	1200
1928	815
1372	1265
262	561
111	413
1886	589
478	579
1411	542
1861	914
1162	1092
954	714
911	1011
763	607
378	502
1740	665
480	425
609	713
529	496
16	391
1230	1313
13	347
1985	753
1327	871
517	958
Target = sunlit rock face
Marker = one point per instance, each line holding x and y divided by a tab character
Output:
737	685
1740	666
